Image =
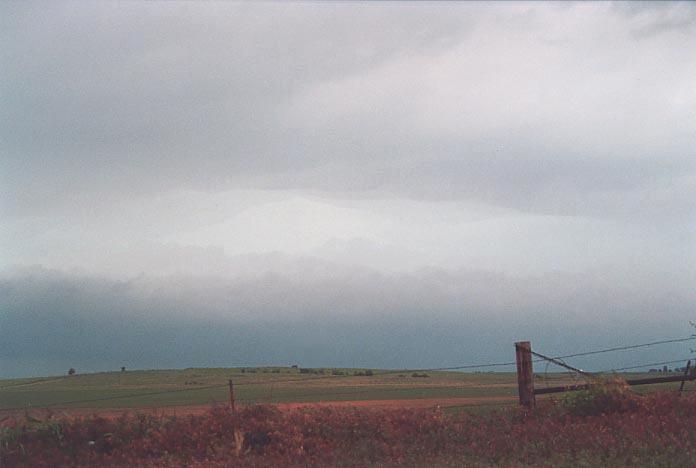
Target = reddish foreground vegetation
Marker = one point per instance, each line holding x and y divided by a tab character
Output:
602	428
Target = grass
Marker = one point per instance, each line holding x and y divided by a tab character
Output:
277	385
609	426
154	388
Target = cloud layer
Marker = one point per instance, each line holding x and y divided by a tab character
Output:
567	109
391	173
319	314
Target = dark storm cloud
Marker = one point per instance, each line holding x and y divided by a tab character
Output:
50	321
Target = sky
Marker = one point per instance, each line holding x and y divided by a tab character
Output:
374	184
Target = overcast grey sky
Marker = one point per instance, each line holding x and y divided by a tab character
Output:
377	184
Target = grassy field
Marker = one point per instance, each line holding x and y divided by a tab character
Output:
607	426
159	388
460	419
255	385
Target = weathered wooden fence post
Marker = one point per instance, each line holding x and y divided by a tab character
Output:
686	374
231	394
525	373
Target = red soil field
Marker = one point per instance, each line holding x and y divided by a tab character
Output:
202	409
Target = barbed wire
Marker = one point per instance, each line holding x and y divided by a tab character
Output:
488	365
644	365
624	348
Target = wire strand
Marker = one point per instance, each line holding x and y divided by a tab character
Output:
645	365
623	348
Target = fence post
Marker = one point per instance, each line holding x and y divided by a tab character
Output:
686	374
525	374
231	394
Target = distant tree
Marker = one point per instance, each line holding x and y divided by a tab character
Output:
71	371
123	368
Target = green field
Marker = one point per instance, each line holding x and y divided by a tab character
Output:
159	388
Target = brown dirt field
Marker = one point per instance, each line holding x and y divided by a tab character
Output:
43	414
413	403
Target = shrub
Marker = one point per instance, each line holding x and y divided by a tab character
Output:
309	370
607	396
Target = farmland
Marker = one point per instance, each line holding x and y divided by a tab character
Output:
141	389
615	427
164	388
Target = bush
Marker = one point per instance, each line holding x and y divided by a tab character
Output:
608	396
310	370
